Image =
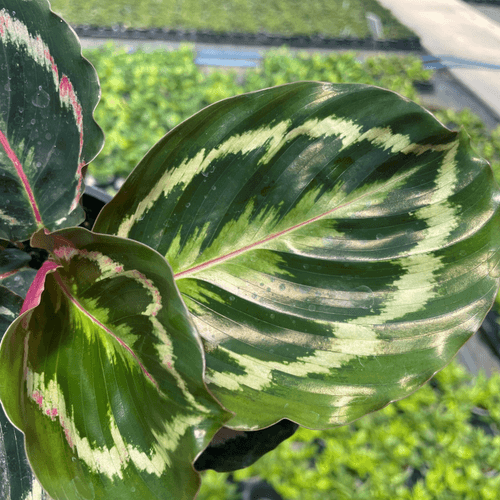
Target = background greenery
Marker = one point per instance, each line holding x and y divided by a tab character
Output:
333	18
144	95
448	433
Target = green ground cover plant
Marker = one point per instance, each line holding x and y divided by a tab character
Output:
332	18
377	457
146	94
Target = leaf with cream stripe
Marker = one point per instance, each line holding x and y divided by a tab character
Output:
335	244
48	93
16	479
108	373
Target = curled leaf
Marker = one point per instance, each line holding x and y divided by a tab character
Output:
103	373
48	93
336	245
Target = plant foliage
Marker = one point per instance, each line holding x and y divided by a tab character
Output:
337	18
146	94
442	442
311	251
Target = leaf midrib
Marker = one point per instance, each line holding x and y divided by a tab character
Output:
77	304
235	253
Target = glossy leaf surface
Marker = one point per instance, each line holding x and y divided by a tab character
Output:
17	481
103	372
15	279
335	244
48	92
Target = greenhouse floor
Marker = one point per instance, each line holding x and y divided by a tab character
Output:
475	356
455	28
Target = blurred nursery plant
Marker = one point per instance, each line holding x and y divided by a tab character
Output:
145	94
310	252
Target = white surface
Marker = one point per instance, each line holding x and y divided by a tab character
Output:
491	11
451	27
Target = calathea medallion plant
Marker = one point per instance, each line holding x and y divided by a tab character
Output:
310	252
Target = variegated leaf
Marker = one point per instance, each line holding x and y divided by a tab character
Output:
48	92
17	481
103	372
11	259
15	280
335	244
19	281
10	307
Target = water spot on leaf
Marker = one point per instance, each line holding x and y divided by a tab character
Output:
83	490
41	99
314	416
367	298
494	264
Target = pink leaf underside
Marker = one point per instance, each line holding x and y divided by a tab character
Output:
35	291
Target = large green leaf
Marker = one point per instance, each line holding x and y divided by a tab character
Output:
103	372
48	92
335	244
